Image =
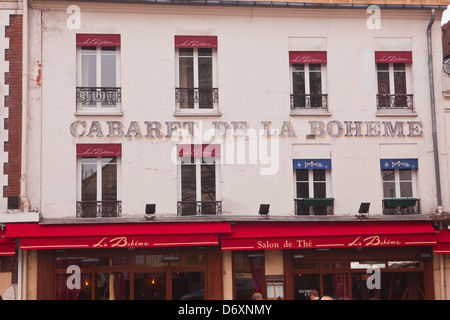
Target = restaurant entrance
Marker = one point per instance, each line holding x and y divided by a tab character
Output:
369	274
138	274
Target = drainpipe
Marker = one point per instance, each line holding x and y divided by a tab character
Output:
433	116
25	204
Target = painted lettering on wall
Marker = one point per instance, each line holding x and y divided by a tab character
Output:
239	129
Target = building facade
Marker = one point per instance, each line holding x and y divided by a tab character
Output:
212	151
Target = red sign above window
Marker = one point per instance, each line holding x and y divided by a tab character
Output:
198	150
307	57
99	150
98	40
393	56
195	41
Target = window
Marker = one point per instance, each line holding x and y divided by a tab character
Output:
198	180
98	89
196	89
98	175
312	187
399	186
308	85
393	74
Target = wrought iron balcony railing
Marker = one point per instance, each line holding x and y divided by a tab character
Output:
398	206
108	96
395	101
309	101
204	97
314	206
99	209
197	208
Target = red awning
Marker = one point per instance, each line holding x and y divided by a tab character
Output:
195	41
443	242
393	56
198	150
99	150
307	57
7	246
34	236
293	235
98	40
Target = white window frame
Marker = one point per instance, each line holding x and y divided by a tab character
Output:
397	183
196	110
198	177
323	78
99	177
80	110
311	183
408	77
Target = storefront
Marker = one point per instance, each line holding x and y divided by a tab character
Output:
154	261
346	261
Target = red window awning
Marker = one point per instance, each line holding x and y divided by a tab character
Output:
307	57
198	150
98	40
35	236
99	150
293	235
195	41
7	246
393	56
443	242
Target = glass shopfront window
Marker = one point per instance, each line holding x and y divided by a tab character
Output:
345	276
130	275
248	270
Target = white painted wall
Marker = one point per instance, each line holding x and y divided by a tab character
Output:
254	86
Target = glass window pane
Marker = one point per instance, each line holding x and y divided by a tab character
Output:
208	188
188	183
150	286
112	286
406	189
304	283
400	82
383	78
88	179
88	67
389	190
150	260
108	67
186	78
188	286
298	79
109	179
315	79
320	190
405	175
302	190
336	286
249	274
388	175
319	175
64	293
302	175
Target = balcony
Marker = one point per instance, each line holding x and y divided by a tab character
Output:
309	102
199	208
106	96
314	206
202	98
99	209
399	206
395	102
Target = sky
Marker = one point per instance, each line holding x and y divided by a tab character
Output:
445	16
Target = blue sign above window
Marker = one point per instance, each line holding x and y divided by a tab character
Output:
324	164
386	164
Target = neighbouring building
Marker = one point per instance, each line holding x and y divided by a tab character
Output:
213	149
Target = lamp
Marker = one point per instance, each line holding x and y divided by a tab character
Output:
363	209
264	210
150	211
